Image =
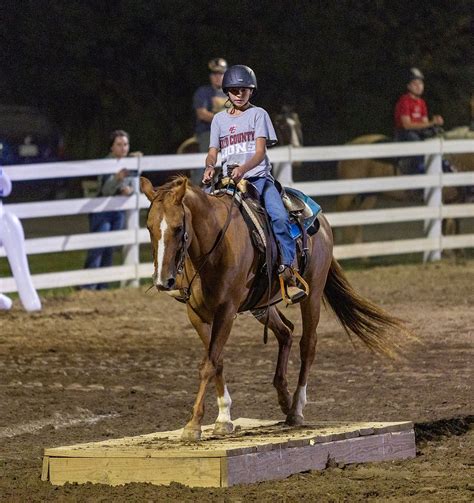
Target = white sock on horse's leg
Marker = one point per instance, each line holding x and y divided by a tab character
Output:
224	403
299	400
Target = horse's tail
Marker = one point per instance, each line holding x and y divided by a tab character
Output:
358	315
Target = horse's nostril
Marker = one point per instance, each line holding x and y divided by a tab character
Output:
170	283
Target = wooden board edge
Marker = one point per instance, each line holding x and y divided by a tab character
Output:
45	469
191	472
139	453
273	465
224	472
392	427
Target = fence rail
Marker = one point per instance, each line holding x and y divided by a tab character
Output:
132	270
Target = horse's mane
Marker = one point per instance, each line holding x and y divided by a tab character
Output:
176	181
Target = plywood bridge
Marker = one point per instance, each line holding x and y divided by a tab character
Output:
257	450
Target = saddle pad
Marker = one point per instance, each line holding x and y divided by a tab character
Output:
312	209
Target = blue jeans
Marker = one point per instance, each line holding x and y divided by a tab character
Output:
102	257
279	219
416	164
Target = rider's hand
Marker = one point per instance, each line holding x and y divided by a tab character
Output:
438	120
126	191
237	173
208	174
123	173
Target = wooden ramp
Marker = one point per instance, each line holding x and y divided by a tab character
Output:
257	450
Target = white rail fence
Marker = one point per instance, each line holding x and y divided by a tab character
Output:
432	212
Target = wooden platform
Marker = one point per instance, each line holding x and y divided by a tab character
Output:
258	450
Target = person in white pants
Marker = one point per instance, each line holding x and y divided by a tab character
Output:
12	238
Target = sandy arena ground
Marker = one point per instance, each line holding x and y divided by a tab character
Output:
95	365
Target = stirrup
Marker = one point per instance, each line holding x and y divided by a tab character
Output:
293	294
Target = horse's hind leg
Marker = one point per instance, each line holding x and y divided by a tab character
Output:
347	202
368	203
310	310
283	330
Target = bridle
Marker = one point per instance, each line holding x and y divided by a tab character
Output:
183	249
182	253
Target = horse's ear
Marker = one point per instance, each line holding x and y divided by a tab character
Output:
180	190
147	188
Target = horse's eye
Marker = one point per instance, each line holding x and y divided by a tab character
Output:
178	230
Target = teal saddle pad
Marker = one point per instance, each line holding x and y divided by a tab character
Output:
309	221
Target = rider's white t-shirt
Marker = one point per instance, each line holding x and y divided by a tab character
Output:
235	137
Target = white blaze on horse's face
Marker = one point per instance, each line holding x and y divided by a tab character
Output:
165	233
160	252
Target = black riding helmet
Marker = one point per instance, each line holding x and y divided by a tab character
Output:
239	76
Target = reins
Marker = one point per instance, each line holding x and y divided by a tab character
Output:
181	265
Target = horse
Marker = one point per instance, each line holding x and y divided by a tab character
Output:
206	238
367	168
289	131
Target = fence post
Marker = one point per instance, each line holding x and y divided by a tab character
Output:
433	197
131	253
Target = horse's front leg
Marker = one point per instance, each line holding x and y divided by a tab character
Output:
221	327
223	424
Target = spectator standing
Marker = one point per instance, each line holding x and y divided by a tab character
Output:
120	183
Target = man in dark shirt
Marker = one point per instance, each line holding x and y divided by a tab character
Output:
207	101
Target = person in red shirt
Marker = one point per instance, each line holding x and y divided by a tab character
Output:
411	113
412	122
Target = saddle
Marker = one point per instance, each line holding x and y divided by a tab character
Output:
303	212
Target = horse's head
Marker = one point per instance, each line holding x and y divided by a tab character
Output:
166	223
288	127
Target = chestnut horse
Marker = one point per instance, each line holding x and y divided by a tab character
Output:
209	234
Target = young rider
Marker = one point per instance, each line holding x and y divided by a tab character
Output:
241	133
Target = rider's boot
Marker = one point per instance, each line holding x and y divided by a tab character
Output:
293	292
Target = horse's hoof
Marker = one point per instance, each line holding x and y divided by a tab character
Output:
284	408
294	420
222	428
191	434
285	404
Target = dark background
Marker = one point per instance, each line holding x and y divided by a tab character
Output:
133	64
